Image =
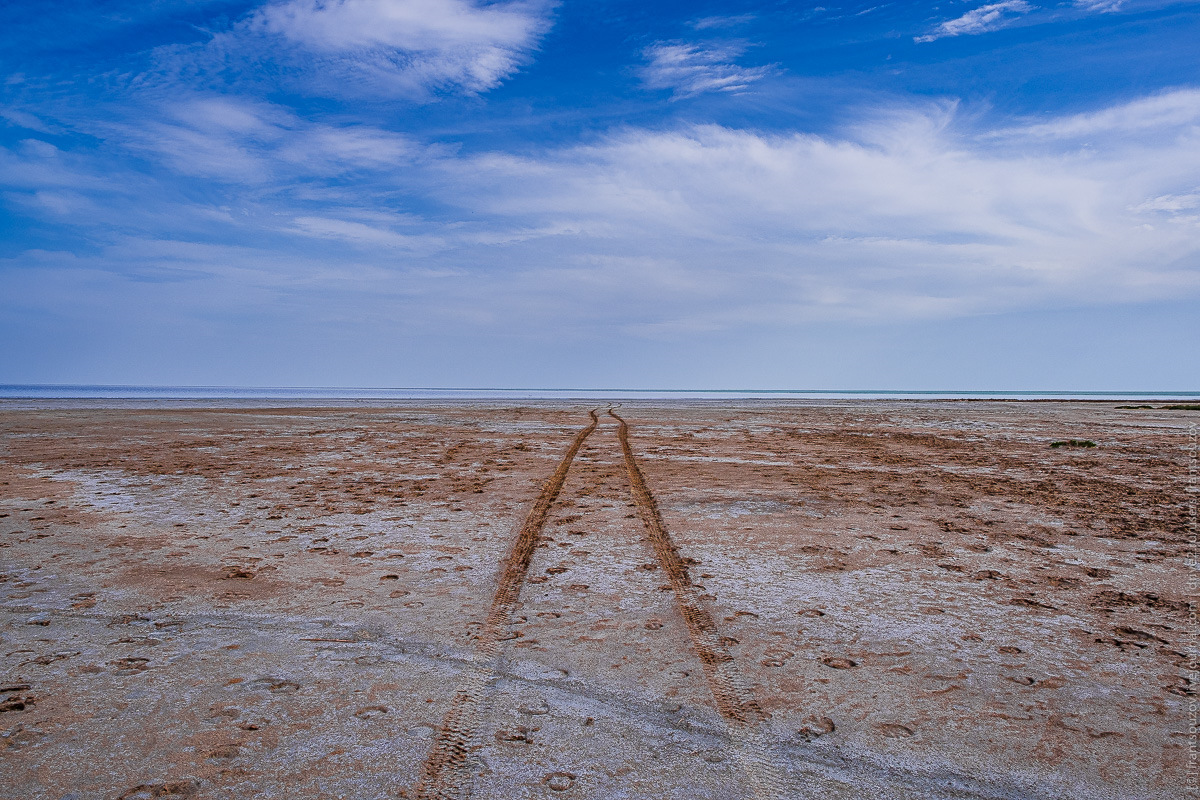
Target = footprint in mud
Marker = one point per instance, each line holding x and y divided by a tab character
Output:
1029	602
653	625
1141	636
811	612
1008	650
19	736
368	712
50	658
225	752
148	791
389	577
776	657
16	699
220	713
275	685
1023	680
238	574
834	662
422	731
559	781
129	666
815	727
535	707
521	735
893	730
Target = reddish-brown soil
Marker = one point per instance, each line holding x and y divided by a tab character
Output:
725	600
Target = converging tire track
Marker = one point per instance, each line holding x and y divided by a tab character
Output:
744	717
446	773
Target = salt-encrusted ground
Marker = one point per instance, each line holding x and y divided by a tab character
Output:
923	599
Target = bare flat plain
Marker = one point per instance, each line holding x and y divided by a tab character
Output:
868	599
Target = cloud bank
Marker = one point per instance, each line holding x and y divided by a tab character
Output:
914	213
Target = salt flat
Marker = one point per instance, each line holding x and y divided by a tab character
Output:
892	599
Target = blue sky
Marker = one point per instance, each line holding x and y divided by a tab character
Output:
951	195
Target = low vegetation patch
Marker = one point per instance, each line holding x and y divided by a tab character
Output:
1172	407
1074	443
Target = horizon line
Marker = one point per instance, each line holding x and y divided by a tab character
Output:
299	388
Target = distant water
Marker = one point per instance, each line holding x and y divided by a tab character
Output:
84	391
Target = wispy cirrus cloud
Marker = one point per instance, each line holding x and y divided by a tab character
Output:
721	21
915	213
1165	112
243	141
1101	6
979	20
414	48
692	69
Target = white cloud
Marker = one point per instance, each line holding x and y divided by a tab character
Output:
241	141
918	215
362	234
1100	6
1167	111
1176	202
403	46
724	21
979	20
690	69
23	119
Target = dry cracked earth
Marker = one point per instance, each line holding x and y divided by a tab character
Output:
875	599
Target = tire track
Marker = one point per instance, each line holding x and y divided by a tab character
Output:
744	718
447	771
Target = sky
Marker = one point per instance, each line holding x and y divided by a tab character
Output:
525	193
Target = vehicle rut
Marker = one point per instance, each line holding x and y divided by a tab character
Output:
447	772
744	718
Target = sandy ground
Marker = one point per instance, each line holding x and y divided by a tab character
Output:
842	600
